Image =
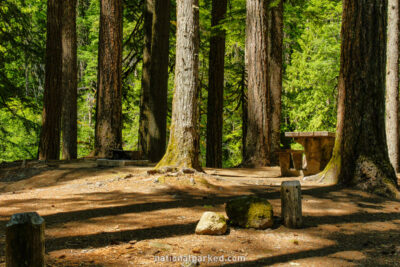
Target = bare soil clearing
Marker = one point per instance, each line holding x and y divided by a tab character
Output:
123	217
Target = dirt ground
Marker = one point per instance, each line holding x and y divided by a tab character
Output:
124	217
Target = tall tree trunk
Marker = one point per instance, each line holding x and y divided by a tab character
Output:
392	84
49	147
216	86
153	110
183	146
257	148
145	110
108	133
360	157
275	60
69	81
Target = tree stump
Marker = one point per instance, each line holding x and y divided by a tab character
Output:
291	204
25	240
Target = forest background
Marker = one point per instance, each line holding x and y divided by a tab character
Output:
310	73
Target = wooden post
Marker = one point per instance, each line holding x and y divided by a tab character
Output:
25	240
291	204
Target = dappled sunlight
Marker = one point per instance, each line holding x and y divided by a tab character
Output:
124	217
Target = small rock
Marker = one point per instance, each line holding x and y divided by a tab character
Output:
211	223
156	180
99	184
192	181
196	250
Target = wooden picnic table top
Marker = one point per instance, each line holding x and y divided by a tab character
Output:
310	134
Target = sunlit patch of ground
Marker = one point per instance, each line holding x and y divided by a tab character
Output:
123	217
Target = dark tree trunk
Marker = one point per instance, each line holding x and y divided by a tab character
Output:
275	60
145	110
49	147
183	146
216	87
392	84
257	148
360	157
108	134
69	81
153	117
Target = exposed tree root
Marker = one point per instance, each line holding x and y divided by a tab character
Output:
369	176
375	178
329	175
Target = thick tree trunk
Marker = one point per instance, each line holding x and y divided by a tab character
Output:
360	157
183	146
69	81
49	147
216	87
153	109
257	148
108	133
392	84
275	60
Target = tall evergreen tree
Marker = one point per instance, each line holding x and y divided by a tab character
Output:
275	60
183	146
108	132
153	106
49	147
360	157
216	86
69	81
392	84
257	147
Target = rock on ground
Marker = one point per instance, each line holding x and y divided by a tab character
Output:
211	223
250	212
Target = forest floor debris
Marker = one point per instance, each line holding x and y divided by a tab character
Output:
121	217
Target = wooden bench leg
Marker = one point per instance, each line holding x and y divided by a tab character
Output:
284	163
297	161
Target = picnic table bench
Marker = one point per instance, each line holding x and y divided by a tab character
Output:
318	147
284	161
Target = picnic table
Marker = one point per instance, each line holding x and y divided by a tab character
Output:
318	147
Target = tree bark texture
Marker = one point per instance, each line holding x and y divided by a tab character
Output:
257	148
153	120
291	204
145	110
183	145
25	240
360	157
216	86
108	132
275	60
49	147
69	81
392	83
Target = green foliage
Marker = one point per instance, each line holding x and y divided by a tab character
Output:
311	67
310	83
